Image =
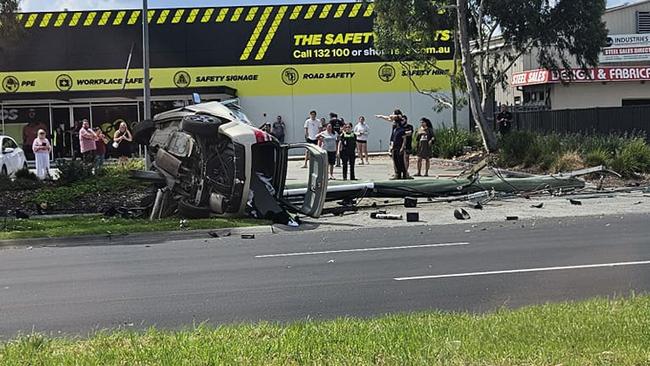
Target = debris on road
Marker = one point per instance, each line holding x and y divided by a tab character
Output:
385	216
410	202
461	214
248	236
512	218
412	217
575	202
541	205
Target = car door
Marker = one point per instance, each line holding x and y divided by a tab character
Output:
314	200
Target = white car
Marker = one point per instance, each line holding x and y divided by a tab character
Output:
208	159
12	157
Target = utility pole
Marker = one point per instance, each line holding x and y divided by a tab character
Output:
145	67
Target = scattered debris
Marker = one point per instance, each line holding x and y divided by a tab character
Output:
512	218
461	214
575	202
331	261
385	216
412	217
410	202
540	205
477	206
248	236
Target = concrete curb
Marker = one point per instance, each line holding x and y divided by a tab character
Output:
133	239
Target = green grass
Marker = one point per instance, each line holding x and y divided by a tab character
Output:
99	225
596	332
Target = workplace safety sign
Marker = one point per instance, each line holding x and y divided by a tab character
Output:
271	80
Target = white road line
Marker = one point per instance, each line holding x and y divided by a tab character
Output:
528	270
362	250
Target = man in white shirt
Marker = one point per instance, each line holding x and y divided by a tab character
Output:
312	129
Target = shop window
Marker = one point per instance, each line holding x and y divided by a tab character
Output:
23	123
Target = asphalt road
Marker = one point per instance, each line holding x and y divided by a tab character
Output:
321	274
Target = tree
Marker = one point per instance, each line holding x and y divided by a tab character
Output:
411	43
494	34
9	24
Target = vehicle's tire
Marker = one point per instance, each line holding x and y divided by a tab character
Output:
25	166
187	210
4	171
142	131
201	125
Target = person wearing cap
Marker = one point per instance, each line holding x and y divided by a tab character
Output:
41	147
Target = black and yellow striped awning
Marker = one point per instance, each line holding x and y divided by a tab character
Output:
109	18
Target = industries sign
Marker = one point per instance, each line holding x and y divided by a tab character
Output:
258	50
626	48
590	75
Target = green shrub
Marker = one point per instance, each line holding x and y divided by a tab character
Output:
520	148
25	174
125	168
569	161
71	171
598	156
634	158
450	143
20	184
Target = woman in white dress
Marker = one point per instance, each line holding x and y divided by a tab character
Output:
42	147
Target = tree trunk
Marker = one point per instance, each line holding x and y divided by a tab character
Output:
454	94
487	133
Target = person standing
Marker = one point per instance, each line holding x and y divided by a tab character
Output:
58	142
279	129
362	131
424	138
504	120
329	142
398	149
312	129
348	151
41	147
122	142
74	138
30	132
87	140
393	118
337	125
408	145
100	149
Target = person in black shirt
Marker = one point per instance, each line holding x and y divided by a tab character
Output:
504	120
399	148
408	146
348	151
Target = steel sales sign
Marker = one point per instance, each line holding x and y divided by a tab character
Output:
590	75
626	48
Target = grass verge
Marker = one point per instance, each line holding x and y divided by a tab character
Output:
99	225
596	332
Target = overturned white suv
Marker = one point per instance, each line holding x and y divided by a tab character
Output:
207	159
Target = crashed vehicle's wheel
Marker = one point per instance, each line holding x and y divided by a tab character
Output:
142	131
201	125
187	210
